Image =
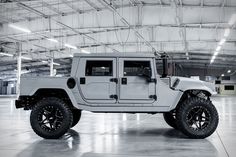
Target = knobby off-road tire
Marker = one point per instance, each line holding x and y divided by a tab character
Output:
170	119
197	118
51	118
76	116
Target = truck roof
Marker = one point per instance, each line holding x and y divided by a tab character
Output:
116	54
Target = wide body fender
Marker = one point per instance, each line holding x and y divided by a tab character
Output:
29	86
185	84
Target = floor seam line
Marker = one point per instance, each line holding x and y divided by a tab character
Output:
222	144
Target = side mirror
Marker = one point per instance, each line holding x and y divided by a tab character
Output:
147	73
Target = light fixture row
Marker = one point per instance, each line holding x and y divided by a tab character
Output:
54	63
11	55
223	40
228	71
49	39
226	34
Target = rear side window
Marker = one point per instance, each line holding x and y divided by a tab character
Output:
135	68
98	68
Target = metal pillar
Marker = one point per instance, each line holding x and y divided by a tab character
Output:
51	67
164	65
18	74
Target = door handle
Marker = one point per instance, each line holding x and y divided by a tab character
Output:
124	81
82	80
114	96
114	80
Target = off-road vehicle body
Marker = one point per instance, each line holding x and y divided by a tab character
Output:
118	83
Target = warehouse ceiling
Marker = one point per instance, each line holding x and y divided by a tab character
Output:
194	33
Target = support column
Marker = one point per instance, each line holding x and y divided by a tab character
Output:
18	74
51	67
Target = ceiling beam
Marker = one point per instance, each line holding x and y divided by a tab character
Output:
70	5
52	8
93	5
98	29
124	21
157	4
64	25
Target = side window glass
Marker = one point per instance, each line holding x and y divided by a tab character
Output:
135	68
98	68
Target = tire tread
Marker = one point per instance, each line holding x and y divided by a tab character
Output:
182	108
53	100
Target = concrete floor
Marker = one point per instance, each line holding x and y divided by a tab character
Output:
116	135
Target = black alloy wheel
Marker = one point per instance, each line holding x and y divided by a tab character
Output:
197	117
51	118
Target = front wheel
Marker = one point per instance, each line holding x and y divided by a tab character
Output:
197	118
51	118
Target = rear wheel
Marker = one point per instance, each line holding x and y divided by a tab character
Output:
170	118
197	117
76	116
51	118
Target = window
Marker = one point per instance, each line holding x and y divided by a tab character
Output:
135	68
217	81
225	77
98	68
229	87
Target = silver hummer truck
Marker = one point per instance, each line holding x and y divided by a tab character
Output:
117	83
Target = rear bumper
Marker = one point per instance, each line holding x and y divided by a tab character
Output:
24	102
18	104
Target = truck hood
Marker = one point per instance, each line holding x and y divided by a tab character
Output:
184	83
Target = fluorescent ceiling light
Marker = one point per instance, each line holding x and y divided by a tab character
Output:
218	48
212	60
44	61
23	71
222	41
229	71
6	54
85	51
222	74
216	53
12	79
232	20
19	28
52	40
26	58
56	63
70	46
227	32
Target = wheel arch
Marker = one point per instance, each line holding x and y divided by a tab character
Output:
52	92
193	92
27	102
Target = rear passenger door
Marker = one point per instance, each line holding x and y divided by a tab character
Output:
97	81
133	87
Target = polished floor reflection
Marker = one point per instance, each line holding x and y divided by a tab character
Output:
116	135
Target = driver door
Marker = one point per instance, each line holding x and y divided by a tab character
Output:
134	87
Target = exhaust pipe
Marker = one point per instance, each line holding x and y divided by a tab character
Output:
164	57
